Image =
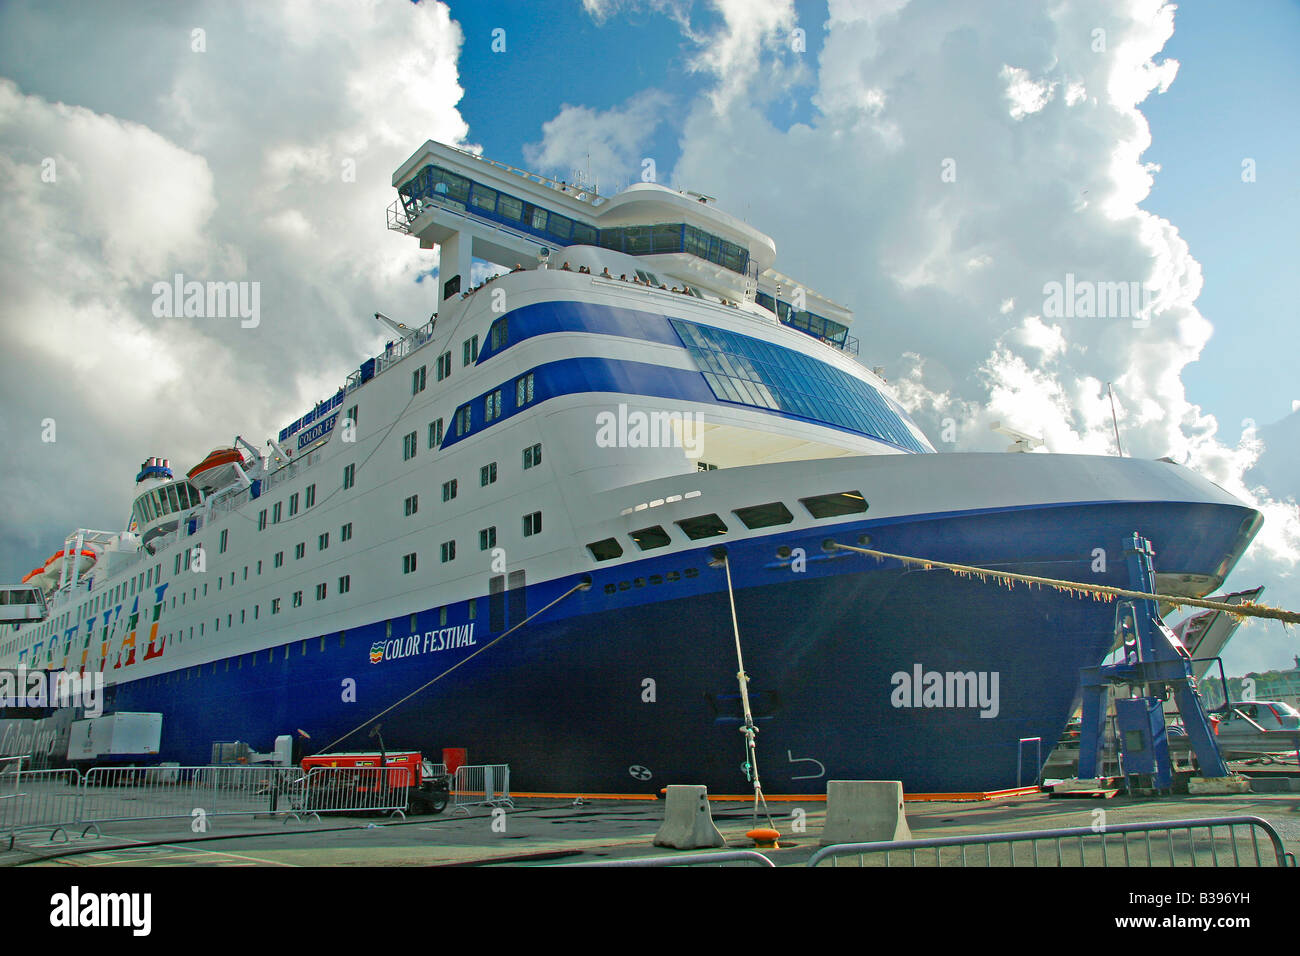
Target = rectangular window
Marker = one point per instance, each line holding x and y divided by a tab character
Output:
487	474
832	506
463	421
320	592
444	365
449	490
299	550
533	456
279	558
345	533
532	524
408	563
605	550
508	207
222	540
293	504
408	447
481	197
435	433
418	379
351	415
499	333
261	524
469	350
323	541
523	390
492	406
275	512
311	496
297	599
345	584
349	476
412	505
764	516
448	551
487	538
275	605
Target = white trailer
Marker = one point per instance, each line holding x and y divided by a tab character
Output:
115	738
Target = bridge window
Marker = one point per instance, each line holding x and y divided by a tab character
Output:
508	207
481	197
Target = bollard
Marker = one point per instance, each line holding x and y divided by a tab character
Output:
864	811
688	822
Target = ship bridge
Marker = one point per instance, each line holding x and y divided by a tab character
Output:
471	207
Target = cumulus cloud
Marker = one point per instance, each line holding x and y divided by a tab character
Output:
611	143
245	161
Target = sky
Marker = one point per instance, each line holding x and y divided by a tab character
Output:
935	166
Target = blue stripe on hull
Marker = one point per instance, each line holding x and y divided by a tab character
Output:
562	700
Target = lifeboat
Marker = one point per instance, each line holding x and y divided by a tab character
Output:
222	467
47	577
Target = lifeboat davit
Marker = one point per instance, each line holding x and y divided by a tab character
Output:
222	467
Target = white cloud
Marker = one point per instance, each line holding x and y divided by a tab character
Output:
612	142
236	166
935	261
1026	95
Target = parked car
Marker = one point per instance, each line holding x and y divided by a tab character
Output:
1260	726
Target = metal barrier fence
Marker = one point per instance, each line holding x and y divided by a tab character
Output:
355	790
113	794
727	857
60	800
1085	846
41	800
483	785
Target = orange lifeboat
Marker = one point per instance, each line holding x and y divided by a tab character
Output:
218	469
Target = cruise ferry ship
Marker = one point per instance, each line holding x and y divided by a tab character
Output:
590	456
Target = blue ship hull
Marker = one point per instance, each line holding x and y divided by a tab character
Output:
631	685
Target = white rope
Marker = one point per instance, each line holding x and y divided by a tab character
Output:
749	730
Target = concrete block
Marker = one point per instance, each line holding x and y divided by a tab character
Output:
688	821
864	811
1203	785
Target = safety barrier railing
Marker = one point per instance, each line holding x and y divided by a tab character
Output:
114	794
482	785
1108	845
725	858
345	790
41	800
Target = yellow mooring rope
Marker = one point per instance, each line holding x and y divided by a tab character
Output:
1098	592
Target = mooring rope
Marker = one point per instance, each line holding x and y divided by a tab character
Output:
580	586
749	730
1098	592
